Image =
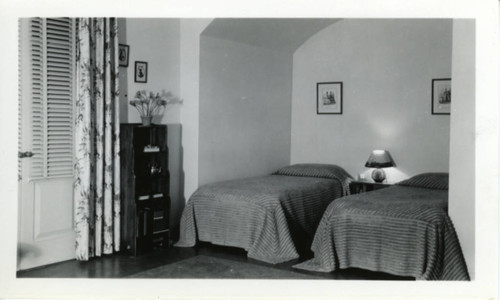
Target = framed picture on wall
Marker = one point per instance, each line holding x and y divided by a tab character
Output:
123	51
141	71
329	98
441	96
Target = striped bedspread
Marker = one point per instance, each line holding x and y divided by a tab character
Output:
267	216
400	230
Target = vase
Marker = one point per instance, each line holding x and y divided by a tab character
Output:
146	121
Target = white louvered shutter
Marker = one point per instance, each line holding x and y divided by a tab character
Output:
52	84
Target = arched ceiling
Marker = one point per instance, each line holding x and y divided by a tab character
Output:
274	33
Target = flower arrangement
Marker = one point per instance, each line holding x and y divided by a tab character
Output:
149	104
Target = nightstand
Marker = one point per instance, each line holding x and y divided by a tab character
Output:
361	186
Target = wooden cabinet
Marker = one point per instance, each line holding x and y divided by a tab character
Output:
361	186
145	184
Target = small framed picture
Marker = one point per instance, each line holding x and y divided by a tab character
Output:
141	71
329	98
123	51
441	96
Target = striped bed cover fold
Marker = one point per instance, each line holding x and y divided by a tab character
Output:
400	230
267	216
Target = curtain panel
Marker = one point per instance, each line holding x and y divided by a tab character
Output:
97	124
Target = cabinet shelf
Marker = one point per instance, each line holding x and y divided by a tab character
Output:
145	197
151	177
150	153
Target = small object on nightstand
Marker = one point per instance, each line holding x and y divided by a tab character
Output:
151	148
155	169
362	186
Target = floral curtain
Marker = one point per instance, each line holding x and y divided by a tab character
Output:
97	124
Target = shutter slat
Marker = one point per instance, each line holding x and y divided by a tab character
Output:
57	112
60	142
59	115
55	52
55	64
55	174
59	172
56	107
60	97
58	134
60	75
59	153
55	57
60	126
59	31
59	162
57	147
59	72
57	43
54	25
58	157
59	93
60	102
65	22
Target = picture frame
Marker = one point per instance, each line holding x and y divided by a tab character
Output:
141	72
123	54
329	98
441	96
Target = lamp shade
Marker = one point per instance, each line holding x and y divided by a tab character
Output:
380	159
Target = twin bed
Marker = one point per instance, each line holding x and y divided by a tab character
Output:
272	217
403	230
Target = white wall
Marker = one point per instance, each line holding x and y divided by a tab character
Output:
123	80
386	67
462	144
190	31
155	41
245	107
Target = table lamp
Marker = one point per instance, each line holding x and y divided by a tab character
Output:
379	159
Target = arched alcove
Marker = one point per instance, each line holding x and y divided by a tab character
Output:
245	94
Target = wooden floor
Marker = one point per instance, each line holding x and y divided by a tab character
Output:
122	265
